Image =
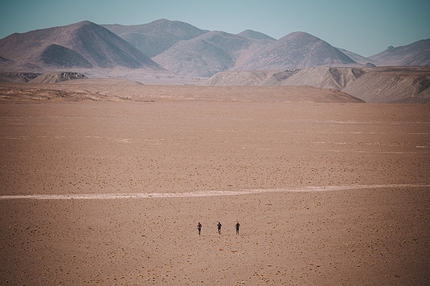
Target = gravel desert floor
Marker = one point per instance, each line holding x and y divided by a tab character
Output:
110	193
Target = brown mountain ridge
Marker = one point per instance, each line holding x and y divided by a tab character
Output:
80	45
184	54
183	49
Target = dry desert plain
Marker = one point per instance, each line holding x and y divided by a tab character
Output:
110	191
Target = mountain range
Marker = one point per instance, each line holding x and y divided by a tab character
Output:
183	49
166	51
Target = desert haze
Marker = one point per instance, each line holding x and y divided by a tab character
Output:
104	182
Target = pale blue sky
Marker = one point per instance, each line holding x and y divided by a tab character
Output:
365	27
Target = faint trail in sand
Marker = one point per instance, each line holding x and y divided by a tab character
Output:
203	193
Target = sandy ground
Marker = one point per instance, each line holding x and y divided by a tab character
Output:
111	193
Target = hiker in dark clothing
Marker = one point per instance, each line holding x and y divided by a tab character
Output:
237	228
219	227
199	227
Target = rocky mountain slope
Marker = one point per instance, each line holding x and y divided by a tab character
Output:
81	45
322	77
217	51
17	76
205	55
415	54
296	50
334	78
375	85
357	58
187	55
53	77
392	85
250	34
156	37
57	77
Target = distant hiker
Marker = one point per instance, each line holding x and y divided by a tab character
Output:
219	227
237	228
199	227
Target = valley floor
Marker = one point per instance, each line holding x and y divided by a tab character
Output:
111	192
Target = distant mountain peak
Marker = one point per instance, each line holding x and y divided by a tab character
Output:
296	50
157	36
84	45
80	25
415	54
84	23
250	34
300	36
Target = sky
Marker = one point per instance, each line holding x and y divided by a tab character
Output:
365	27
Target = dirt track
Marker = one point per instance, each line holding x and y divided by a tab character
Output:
202	193
374	235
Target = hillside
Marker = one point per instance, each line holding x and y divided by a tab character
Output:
156	37
238	78
204	55
57	77
217	51
250	34
124	90
82	45
296	50
329	78
335	78
374	85
415	54
357	58
17	76
392	85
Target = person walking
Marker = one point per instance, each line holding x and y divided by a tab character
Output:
219	227
199	227
237	228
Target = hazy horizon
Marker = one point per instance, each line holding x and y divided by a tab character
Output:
365	27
